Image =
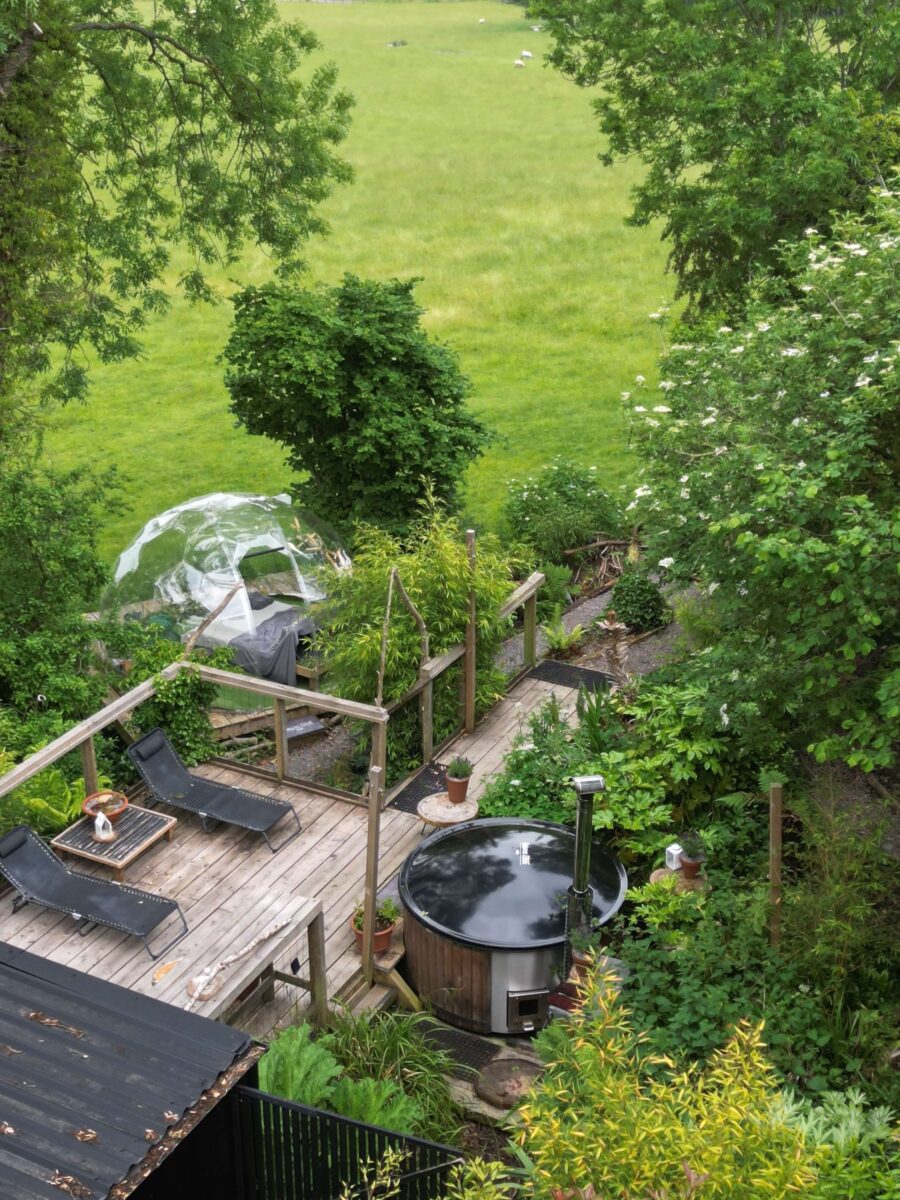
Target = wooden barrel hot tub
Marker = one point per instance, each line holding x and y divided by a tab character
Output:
485	908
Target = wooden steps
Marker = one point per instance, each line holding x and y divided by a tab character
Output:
357	997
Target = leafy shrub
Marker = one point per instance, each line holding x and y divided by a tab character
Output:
376	1102
299	1068
390	1048
554	591
433	566
368	407
559	508
48	802
767	476
180	705
535	780
596	1118
360	1074
638	602
858	1155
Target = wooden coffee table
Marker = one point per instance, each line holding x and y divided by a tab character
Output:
136	831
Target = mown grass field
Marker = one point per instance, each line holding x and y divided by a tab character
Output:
482	179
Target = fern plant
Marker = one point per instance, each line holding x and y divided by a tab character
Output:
560	640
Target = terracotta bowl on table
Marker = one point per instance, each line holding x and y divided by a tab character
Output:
111	804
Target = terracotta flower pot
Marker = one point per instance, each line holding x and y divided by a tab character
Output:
581	963
111	804
456	790
690	867
381	940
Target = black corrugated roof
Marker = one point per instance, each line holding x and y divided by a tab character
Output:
116	1064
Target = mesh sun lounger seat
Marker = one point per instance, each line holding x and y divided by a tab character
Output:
39	877
171	783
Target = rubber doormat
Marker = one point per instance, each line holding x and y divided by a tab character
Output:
429	780
470	1053
566	675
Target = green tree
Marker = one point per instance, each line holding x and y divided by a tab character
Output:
754	120
348	381
772	471
125	130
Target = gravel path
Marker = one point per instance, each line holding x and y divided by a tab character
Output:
644	656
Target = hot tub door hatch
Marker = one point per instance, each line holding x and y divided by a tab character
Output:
526	1012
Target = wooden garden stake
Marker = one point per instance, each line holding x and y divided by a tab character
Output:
470	635
774	864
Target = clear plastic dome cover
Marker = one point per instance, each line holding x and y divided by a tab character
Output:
242	567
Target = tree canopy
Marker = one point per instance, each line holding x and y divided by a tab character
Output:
124	131
772	471
755	120
364	401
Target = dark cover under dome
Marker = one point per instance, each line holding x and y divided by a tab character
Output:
502	883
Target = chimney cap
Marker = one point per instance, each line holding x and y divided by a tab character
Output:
587	785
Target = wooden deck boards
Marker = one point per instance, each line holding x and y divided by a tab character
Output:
493	737
226	880
211	875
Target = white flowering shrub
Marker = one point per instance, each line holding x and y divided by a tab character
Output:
558	508
772	472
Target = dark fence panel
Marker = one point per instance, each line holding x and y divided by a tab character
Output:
292	1152
206	1166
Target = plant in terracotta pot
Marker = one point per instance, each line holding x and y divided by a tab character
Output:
693	854
386	916
584	943
458	772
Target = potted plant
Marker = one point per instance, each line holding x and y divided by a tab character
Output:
693	855
386	916
458	772
583	943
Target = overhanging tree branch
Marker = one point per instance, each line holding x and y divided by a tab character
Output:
16	59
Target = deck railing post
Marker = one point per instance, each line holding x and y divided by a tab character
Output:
530	638
470	636
376	788
379	752
426	720
89	766
281	740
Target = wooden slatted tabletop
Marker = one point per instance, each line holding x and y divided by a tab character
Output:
136	831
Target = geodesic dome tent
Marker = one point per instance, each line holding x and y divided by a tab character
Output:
240	569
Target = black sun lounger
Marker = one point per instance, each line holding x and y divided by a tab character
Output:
171	783
39	877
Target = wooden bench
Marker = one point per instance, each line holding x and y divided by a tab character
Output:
219	925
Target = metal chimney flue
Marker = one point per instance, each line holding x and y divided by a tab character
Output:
580	897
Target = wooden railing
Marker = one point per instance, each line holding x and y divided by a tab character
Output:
81	736
377	716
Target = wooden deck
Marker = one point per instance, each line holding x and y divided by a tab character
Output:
227	881
492	738
326	863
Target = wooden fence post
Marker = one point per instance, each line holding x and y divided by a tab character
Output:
426	719
281	742
89	766
470	636
376	788
775	814
378	756
530	638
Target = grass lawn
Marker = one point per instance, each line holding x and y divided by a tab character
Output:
482	179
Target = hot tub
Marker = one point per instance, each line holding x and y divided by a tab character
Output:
485	908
